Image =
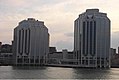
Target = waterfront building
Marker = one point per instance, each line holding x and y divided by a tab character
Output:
31	42
63	57
52	49
92	39
112	52
118	50
6	59
0	46
54	58
6	48
114	57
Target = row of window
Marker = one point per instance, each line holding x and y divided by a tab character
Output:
87	62
29	60
89	37
24	41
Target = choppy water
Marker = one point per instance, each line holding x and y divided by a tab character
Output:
9	72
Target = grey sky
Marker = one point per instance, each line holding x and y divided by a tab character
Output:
58	15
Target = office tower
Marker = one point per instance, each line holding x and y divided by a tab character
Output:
31	42
92	39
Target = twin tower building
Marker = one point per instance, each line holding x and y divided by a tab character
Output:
91	41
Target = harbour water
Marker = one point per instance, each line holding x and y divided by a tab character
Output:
9	72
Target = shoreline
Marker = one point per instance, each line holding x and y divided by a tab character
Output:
65	66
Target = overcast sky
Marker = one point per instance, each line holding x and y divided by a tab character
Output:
58	16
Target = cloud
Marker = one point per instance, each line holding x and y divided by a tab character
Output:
62	44
69	34
58	16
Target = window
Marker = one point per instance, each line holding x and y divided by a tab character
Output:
19	41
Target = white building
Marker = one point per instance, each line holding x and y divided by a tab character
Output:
31	42
92	39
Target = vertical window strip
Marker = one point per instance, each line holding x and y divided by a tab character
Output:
91	37
94	37
19	41
26	41
87	38
22	40
29	41
84	38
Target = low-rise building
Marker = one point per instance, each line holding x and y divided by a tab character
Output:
63	57
0	46
6	48
6	59
52	49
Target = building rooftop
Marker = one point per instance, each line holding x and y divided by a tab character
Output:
31	21
92	10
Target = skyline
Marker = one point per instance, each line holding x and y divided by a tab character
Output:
57	15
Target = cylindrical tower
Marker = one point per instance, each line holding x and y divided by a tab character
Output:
92	39
31	42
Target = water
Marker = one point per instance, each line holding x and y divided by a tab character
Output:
9	72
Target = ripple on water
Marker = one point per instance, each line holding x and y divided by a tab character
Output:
9	72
